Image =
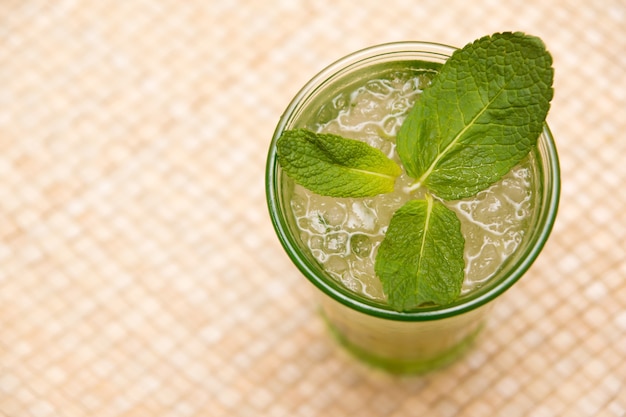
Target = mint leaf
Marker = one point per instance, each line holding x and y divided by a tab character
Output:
420	259
334	166
481	115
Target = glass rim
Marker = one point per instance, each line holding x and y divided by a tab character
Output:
545	218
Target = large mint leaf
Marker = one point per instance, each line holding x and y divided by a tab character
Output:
421	259
334	166
481	115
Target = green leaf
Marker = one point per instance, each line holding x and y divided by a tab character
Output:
481	115
334	166
421	259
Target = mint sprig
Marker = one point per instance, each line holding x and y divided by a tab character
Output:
480	117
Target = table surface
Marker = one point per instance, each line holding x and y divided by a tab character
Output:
139	271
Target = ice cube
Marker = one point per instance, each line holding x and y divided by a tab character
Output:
361	217
299	204
335	214
341	102
317	222
336	242
379	88
316	242
487	262
360	245
336	265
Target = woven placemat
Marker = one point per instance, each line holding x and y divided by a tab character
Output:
140	274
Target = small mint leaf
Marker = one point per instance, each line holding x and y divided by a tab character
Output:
335	166
421	259
481	115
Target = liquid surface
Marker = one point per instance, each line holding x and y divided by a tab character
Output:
343	234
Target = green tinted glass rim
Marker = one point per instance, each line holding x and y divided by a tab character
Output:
549	171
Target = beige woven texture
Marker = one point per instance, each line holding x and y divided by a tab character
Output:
140	274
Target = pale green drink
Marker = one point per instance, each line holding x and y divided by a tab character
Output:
334	240
343	234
